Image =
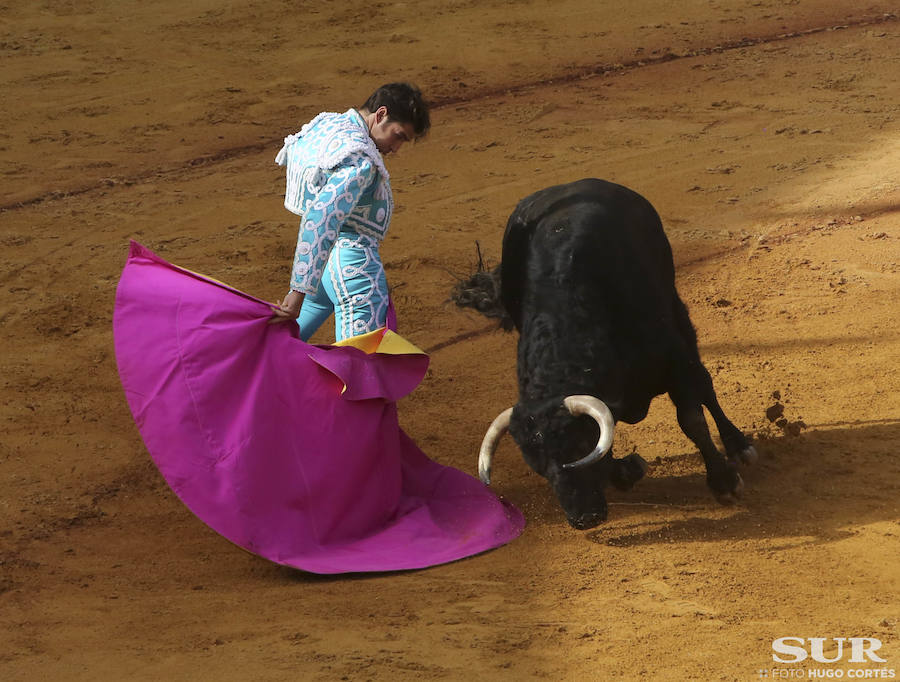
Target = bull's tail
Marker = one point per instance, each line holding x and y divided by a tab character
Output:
482	292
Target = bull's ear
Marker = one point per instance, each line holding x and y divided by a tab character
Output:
514	264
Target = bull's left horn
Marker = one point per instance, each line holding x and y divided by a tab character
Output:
497	428
596	408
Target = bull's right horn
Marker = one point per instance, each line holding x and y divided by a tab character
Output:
596	408
497	428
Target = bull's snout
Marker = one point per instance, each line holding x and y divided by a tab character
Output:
588	520
581	498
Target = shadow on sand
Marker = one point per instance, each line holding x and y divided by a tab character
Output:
810	489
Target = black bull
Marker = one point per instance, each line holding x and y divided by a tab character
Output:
587	278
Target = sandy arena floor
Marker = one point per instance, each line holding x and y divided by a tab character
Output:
766	133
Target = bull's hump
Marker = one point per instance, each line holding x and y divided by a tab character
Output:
590	195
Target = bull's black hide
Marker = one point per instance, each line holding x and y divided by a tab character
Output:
587	279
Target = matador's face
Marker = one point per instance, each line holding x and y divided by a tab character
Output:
389	135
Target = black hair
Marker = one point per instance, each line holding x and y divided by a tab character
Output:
404	103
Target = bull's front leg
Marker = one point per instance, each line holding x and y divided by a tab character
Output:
722	474
625	472
737	445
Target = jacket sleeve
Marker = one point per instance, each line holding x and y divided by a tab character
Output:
323	219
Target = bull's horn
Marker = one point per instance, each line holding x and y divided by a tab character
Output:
497	428
596	408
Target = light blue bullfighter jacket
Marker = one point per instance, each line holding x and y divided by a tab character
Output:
337	182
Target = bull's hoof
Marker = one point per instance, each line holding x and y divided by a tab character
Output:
729	498
628	471
726	484
748	455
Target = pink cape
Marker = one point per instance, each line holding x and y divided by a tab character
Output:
289	450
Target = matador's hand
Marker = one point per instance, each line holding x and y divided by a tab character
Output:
288	309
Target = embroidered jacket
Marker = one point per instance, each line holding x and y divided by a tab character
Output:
336	181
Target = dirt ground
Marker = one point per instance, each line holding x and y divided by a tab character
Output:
766	133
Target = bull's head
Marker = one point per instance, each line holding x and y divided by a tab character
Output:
554	437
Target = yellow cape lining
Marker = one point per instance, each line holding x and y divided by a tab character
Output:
381	341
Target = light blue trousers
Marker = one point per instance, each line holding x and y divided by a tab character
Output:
353	287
